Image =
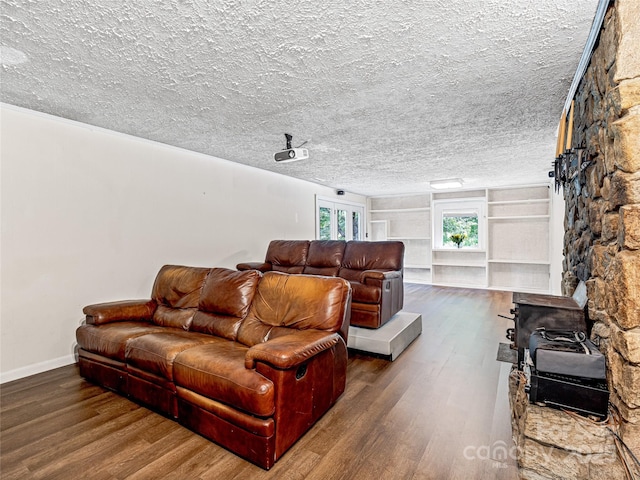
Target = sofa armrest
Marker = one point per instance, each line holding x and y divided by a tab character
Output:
100	313
261	266
289	351
380	275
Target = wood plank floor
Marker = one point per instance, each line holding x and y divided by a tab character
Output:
440	411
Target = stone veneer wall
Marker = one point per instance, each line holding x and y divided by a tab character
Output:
553	444
601	247
602	220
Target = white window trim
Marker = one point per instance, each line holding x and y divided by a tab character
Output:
470	205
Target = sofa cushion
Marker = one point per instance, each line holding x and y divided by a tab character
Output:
351	275
110	339
325	257
176	290
228	292
173	317
360	255
222	326
179	287
287	256
156	352
285	302
225	301
216	370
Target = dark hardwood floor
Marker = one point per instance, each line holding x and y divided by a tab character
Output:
440	411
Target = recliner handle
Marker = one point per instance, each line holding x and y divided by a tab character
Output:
301	371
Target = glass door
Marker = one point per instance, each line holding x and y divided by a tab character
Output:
338	221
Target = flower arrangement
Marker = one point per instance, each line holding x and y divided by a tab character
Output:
458	238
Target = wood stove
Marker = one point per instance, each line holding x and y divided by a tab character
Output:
553	312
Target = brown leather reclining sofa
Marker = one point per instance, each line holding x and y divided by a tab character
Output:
374	269
248	360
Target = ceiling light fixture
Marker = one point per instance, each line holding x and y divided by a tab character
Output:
444	184
10	56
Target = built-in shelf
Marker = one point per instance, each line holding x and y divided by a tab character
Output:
523	262
516	255
520	276
406	218
417	276
460	275
519	194
459	250
461	284
518	217
401	210
458	264
514	202
409	238
510	288
519	236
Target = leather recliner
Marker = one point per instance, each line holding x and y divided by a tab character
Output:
374	270
247	360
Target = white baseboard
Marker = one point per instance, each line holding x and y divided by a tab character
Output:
29	370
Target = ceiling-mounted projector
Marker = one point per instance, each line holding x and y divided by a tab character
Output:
291	155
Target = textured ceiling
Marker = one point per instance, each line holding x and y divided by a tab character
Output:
388	94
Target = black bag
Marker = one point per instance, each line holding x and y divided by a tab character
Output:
568	353
587	397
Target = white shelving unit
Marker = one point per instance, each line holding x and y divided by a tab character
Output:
460	267
517	252
378	230
519	238
407	219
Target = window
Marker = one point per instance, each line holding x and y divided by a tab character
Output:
342	224
338	221
460	229
324	220
355	224
459	224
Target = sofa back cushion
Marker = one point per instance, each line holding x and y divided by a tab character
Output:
177	292
287	256
360	256
295	302
325	257
224	301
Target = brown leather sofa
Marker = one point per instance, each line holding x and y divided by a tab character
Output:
250	361
374	269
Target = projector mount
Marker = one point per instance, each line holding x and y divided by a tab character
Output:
291	154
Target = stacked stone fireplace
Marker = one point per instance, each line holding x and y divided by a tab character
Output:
602	248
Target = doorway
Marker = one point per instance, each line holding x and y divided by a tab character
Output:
339	220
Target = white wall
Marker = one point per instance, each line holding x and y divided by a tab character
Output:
90	215
557	242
